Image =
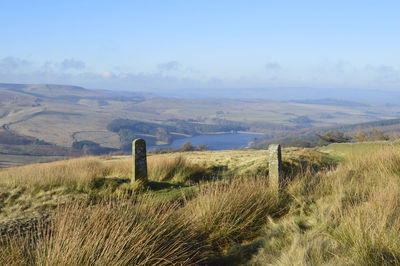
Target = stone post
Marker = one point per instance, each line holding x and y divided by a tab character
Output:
139	161
275	166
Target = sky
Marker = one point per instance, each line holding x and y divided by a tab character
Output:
184	45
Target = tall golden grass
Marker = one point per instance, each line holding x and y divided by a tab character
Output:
143	231
347	215
122	233
109	233
232	212
73	174
177	169
76	174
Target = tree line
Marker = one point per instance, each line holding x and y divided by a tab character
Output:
336	136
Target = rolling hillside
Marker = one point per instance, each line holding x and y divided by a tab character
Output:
61	115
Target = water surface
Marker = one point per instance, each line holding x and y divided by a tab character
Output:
216	142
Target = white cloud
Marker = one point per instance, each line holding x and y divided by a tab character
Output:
107	74
173	75
273	66
11	64
72	64
384	75
169	66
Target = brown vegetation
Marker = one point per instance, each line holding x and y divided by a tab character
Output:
345	215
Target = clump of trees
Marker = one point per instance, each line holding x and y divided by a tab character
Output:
379	135
375	135
187	146
89	147
334	137
309	140
360	136
128	129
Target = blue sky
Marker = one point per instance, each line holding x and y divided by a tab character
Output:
172	45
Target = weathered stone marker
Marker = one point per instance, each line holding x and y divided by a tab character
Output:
275	166
139	160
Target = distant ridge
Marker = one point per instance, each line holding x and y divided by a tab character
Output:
289	94
16	86
42	90
379	123
350	97
331	102
387	126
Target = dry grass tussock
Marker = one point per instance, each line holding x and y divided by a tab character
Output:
77	173
144	231
73	174
110	233
34	190
232	212
347	216
176	169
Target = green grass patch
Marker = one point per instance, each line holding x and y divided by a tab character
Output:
358	148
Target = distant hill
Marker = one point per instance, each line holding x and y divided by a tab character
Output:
290	93
306	137
62	115
331	102
67	92
373	124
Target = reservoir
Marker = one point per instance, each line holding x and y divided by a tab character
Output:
216	142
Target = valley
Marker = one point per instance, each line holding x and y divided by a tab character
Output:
60	115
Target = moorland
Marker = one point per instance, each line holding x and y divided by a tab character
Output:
339	207
45	122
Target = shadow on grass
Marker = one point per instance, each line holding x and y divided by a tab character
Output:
155	186
115	182
101	182
218	169
169	192
163	191
238	254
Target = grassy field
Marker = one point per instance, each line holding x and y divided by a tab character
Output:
62	115
96	175
213	208
106	138
358	148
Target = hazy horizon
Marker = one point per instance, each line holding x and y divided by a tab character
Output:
182	47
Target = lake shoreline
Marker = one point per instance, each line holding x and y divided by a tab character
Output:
215	140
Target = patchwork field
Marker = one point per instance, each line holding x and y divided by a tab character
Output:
59	114
339	205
